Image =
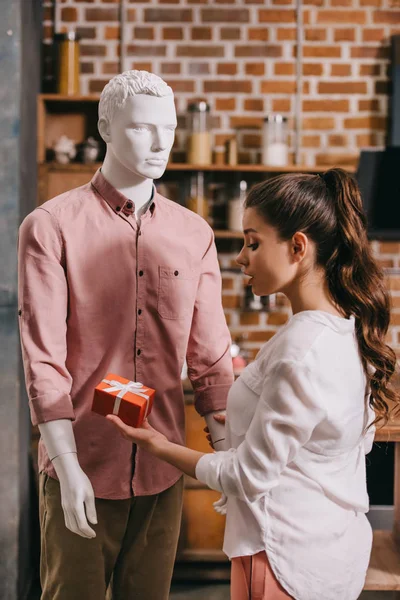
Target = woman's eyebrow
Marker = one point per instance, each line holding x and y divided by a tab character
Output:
250	230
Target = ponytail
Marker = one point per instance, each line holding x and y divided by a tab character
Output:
356	285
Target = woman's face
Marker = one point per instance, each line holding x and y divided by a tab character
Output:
268	260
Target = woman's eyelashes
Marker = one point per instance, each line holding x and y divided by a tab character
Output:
253	246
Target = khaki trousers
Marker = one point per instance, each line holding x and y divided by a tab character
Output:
135	543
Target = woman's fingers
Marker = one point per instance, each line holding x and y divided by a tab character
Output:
220	418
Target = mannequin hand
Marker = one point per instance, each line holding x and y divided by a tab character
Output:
145	436
77	496
220	505
220	419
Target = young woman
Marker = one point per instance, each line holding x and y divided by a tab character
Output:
299	418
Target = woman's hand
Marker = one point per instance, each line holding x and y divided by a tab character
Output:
220	419
145	436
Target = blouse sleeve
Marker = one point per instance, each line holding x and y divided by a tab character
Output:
289	409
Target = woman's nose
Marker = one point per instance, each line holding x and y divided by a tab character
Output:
240	259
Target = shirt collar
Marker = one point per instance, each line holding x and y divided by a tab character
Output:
118	202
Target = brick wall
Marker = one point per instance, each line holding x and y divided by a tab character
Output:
240	57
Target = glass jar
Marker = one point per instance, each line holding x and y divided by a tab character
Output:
236	208
197	201
67	62
199	146
275	146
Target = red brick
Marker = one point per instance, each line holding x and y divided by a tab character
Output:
225	15
148	50
327	159
277	318
181	85
264	50
88	33
286	34
250	318
111	32
131	15
276	16
231	301
199	68
369	52
313	34
110	68
143	66
370	122
278	87
86	68
282	105
225	104
344	35
282	68
230	33
348	87
226	69
201	51
92	50
233	86
168	68
260	336
260	34
323	123
341	16
168	15
370	105
321	51
172	33
373	35
342	3
326	105
201	33
69	14
387	16
366	139
254	104
227	283
368	70
312	69
96	86
338	140
101	14
144	33
246	122
311	141
340	70
255	68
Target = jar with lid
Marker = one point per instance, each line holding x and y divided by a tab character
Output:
199	143
236	208
67	52
275	146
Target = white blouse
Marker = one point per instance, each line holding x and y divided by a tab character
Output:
295	473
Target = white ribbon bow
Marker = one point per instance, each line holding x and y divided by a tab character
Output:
122	388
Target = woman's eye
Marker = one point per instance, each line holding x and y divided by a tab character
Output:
253	246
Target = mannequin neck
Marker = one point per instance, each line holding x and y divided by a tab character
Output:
133	186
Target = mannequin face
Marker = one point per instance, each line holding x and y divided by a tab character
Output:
141	134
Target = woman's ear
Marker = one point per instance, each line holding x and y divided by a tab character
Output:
299	246
104	129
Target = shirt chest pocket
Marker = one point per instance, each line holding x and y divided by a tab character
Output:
176	292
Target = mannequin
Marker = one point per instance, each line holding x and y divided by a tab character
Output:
145	298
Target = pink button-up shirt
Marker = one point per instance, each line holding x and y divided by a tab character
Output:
97	294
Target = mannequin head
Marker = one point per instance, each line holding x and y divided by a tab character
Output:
137	120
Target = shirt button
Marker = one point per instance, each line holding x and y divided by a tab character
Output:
20	312
138	352
129	205
140	273
176	273
139	311
117	208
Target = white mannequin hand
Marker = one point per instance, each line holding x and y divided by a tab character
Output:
76	490
216	429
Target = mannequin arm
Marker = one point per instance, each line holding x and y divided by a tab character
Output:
216	429
77	494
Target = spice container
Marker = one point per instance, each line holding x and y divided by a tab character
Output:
199	143
275	148
67	62
198	201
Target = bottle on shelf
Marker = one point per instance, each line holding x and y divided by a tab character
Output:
236	207
275	152
197	201
199	146
67	63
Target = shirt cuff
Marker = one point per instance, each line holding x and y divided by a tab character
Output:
211	398
51	406
208	468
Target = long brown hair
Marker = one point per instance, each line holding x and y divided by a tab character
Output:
328	208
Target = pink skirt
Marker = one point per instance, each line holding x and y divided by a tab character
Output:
253	579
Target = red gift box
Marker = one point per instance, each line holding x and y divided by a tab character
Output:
131	401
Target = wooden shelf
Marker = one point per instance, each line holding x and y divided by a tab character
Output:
384	567
224	234
70	98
